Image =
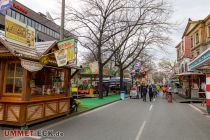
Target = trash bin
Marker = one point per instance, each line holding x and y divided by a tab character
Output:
122	95
169	97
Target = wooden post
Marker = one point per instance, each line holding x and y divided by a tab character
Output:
67	74
2	69
26	86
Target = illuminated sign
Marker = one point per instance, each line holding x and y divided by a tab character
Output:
18	7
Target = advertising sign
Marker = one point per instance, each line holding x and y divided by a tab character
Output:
94	67
19	33
5	5
61	57
68	44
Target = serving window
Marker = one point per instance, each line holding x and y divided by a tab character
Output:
13	78
48	81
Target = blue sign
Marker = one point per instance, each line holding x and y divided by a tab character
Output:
5	5
203	58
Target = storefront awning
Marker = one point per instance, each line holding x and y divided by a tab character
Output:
189	73
201	60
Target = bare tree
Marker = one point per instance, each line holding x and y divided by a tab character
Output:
167	65
100	21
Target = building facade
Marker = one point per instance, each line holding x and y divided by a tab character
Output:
46	29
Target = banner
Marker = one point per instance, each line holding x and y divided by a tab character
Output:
68	44
19	33
5	5
61	57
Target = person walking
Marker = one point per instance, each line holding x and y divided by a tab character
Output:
151	92
144	91
164	89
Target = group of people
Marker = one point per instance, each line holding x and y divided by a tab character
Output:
151	89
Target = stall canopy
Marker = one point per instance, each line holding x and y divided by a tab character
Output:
201	61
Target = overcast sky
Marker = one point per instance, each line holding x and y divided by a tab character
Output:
183	10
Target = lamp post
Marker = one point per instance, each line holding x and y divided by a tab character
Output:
62	19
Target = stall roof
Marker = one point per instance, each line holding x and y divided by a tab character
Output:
43	47
28	52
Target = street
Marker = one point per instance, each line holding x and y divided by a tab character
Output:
134	119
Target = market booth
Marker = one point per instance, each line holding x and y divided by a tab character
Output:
202	63
29	91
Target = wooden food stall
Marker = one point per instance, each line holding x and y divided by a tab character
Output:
31	92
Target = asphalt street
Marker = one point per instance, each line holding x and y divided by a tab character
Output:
134	119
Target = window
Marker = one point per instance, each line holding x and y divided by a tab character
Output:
48	31
45	29
51	83
209	31
13	14
198	53
197	38
22	18
39	28
13	78
42	27
26	20
33	24
9	12
29	22
36	25
18	16
192	43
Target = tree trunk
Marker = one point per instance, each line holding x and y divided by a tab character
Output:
121	78
100	86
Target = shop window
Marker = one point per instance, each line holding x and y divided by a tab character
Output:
197	38
13	78
51	83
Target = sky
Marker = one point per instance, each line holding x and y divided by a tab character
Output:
183	10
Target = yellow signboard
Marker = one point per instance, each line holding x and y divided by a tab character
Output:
68	44
19	33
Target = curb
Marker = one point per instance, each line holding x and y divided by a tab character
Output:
202	110
87	110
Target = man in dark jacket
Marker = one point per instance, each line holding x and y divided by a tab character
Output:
150	92
144	91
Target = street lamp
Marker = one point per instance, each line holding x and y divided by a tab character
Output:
62	19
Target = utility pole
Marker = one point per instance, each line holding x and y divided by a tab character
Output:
62	19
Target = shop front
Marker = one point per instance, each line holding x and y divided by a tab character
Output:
29	91
191	85
202	63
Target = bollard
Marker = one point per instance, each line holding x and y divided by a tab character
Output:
122	95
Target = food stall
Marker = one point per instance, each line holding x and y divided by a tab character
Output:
29	91
89	80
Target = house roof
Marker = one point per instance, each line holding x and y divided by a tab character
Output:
190	22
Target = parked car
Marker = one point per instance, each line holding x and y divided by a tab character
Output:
134	93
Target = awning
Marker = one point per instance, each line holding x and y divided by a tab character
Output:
189	73
200	60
